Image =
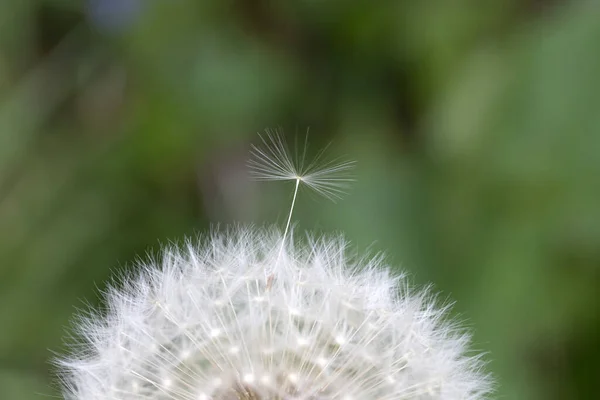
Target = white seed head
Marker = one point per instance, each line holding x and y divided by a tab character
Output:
208	323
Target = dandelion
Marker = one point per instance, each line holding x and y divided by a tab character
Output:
205	324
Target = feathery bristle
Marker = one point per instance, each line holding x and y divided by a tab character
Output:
273	162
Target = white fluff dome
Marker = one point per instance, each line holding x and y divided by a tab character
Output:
237	316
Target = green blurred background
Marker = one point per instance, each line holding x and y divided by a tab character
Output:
476	130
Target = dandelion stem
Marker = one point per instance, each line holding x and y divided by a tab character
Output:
287	228
289	220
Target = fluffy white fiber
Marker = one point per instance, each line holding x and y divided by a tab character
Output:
241	316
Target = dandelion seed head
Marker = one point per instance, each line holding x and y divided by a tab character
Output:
190	327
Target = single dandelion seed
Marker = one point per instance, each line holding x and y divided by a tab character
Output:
273	161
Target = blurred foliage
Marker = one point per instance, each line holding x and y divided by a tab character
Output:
124	123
